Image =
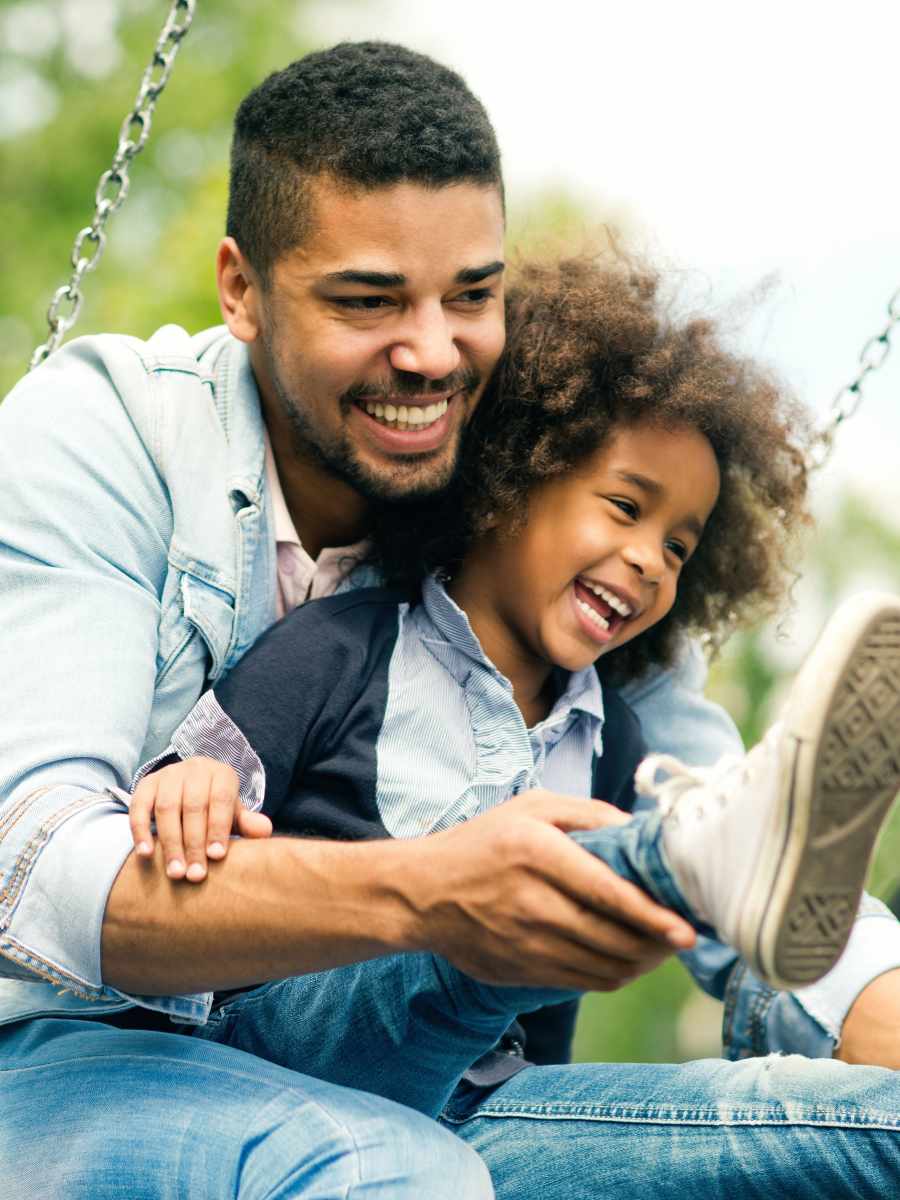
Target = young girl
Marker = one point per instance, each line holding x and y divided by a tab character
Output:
627	481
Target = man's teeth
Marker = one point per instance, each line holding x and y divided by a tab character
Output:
593	614
615	603
406	416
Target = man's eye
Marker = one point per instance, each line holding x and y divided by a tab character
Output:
361	303
627	506
474	296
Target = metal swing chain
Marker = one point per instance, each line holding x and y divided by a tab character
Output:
114	183
850	397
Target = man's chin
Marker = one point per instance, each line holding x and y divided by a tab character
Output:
406	489
407	480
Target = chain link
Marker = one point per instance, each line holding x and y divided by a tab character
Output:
846	403
113	185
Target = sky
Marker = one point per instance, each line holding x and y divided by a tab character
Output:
745	141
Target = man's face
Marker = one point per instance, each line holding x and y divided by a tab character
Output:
378	335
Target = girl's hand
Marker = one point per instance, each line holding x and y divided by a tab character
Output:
196	805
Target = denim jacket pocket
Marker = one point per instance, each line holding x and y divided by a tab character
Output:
211	612
195	633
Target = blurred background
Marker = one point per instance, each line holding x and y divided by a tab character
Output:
750	150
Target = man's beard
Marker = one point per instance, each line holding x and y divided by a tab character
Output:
411	477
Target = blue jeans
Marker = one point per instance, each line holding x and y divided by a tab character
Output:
780	1126
408	1027
92	1112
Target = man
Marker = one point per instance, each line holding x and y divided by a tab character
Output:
145	546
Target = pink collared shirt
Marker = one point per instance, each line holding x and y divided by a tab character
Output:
300	577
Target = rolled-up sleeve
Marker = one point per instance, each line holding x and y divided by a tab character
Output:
84	530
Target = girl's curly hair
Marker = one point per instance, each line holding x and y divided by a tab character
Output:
590	348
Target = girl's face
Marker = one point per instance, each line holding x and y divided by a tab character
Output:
599	557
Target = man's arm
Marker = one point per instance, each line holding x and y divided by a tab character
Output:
507	897
85	526
871	1030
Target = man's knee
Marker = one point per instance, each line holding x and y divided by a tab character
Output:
455	1172
406	1155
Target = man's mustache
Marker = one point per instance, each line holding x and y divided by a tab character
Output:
400	386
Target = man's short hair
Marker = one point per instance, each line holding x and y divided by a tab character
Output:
368	114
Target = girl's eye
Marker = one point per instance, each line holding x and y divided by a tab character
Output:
679	549
627	506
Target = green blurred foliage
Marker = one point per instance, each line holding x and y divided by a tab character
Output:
158	268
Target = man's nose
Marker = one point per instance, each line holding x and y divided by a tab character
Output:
426	345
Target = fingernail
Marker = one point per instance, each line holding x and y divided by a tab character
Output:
175	868
196	872
215	849
144	848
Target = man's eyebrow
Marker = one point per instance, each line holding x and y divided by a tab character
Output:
654	489
381	279
476	274
366	278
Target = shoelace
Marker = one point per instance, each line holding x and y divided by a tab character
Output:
717	782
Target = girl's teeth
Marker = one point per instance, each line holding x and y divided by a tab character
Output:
406	416
593	614
617	605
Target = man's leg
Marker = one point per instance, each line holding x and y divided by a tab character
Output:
782	1126
91	1112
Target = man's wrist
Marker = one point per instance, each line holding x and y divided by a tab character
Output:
387	876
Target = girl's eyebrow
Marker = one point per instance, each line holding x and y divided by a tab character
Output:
640	481
653	488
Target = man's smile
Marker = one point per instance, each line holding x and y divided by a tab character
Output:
404	414
410	425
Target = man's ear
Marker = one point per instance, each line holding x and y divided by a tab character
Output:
239	291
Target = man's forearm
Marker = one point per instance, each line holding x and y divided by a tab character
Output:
507	898
272	909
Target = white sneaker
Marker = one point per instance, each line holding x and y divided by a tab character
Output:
772	849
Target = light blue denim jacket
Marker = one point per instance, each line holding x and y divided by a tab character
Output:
136	566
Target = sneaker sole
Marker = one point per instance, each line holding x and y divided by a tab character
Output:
843	720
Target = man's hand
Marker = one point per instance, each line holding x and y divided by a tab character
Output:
871	1032
510	899
196	805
